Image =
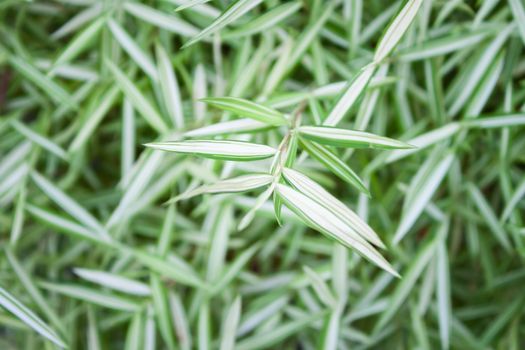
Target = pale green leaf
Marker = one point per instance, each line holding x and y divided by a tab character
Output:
217	149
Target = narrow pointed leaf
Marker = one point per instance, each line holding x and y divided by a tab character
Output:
93	296
114	281
160	19
334	164
349	138
406	286
229	327
40	140
80	43
170	88
261	199
138	100
396	29
265	21
219	149
349	97
68	204
236	184
423	187
488	215
323	220
10	303
313	190
248	109
235	126
138	55
232	13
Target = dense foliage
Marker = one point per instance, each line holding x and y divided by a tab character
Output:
249	174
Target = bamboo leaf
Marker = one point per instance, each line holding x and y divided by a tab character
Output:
224	150
138	100
518	11
396	29
69	205
266	21
228	127
236	184
349	138
40	140
10	303
93	296
488	216
113	281
230	325
423	186
170	88
140	57
313	190
334	164
248	109
410	277
231	14
349	97
323	220
80	43
48	86
160	19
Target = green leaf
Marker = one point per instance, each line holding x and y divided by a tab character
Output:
40	140
190	3
406	286
31	288
236	126
160	303
321	288
66	226
396	29
69	205
265	21
334	164
160	19
277	334
349	97
48	86
518	11
231	14
229	326
325	221
313	190
425	140
139	101
443	295
10	303
232	185
77	21
349	138
217	149
488	216
261	199
496	121
113	281
423	186
138	55
518	194
170	87
443	46
79	43
93	296
94	119
248	109
165	268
